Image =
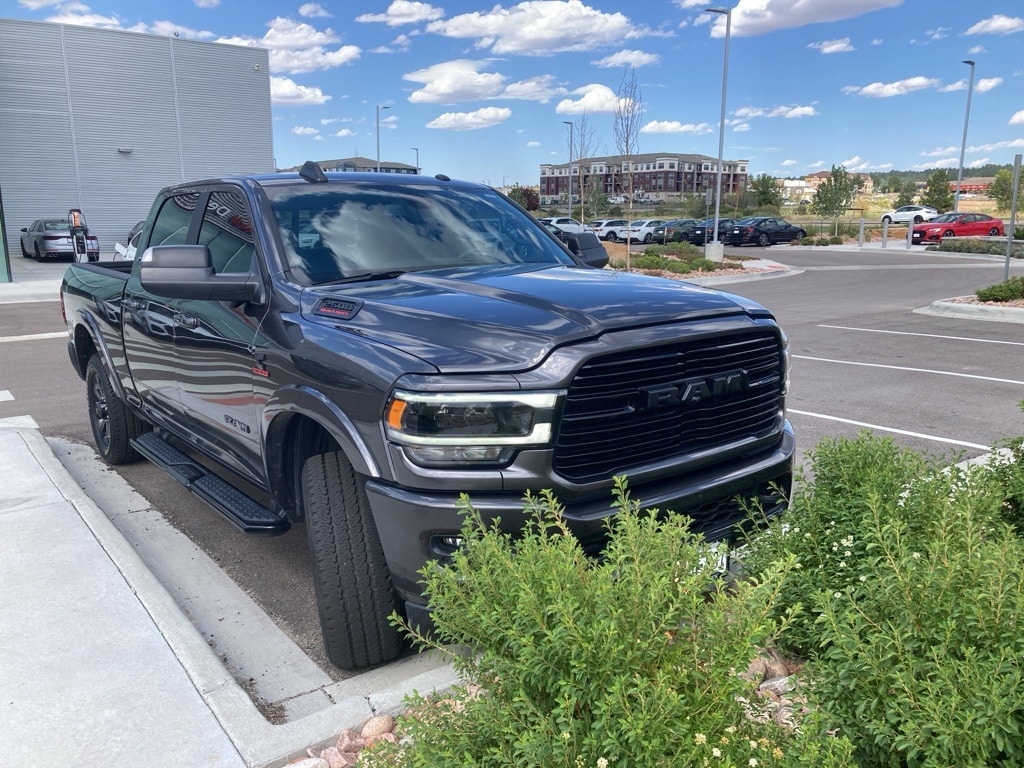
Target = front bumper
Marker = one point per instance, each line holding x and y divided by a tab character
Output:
416	526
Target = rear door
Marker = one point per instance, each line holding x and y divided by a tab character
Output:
148	320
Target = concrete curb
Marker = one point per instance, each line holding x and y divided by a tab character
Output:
260	743
948	308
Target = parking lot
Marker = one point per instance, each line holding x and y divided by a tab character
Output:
864	357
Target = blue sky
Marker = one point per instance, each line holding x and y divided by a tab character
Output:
482	87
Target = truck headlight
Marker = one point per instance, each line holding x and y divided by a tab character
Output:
469	427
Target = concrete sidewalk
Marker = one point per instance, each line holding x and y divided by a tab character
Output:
99	665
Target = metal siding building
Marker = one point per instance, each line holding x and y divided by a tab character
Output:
103	119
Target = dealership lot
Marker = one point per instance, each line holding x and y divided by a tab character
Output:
864	357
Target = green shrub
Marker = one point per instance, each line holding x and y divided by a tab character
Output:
705	265
630	660
922	658
807	241
649	261
678	267
1008	291
821	529
836	240
822	241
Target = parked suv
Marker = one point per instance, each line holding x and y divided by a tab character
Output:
914	213
612	230
564	223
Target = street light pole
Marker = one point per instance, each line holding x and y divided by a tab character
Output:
963	143
569	123
379	108
417	151
721	123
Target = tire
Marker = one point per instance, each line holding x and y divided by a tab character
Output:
354	595
800	234
763	240
887	219
948	233
114	426
37	255
918	219
647	238
25	253
994	232
612	237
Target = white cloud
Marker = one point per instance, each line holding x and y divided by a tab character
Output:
533	144
833	46
741	128
897	88
878	41
674	126
285	91
539	27
454	81
986	84
297	47
542	89
471	121
313	11
981	161
303	130
787	163
940	151
1018	118
403	12
593	98
758	17
627	59
787	111
344	133
328	120
937	34
997	25
974	51
206	3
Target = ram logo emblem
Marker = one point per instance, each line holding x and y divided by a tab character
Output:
693	391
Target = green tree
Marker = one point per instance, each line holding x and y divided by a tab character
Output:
937	193
906	196
526	197
835	195
1002	189
766	190
893	184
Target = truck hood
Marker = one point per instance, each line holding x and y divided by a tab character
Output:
508	318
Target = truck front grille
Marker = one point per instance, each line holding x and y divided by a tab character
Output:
631	409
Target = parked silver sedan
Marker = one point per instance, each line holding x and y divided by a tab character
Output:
51	239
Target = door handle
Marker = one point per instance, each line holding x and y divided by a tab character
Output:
186	321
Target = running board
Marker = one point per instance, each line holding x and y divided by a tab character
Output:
238	508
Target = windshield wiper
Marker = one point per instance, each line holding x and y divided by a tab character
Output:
365	277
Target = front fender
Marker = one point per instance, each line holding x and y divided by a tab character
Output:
305	401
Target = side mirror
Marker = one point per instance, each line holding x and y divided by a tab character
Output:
186	272
587	248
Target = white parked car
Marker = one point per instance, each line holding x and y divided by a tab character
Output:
643	229
564	223
908	213
609	229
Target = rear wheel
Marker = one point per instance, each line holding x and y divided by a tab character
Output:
648	237
36	253
763	240
114	426
353	586
918	219
887	219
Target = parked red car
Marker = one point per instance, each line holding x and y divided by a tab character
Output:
957	225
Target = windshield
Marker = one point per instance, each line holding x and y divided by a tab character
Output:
339	230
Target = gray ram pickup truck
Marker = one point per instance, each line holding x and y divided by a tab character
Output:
357	350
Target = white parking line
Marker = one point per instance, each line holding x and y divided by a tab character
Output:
927	335
19	422
933	438
5	395
912	370
35	336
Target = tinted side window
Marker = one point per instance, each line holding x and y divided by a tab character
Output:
227	232
173	218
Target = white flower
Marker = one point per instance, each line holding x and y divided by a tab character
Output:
602	762
700	738
716	752
752	762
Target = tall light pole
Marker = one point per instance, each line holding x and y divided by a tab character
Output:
417	151
379	108
569	123
963	143
721	123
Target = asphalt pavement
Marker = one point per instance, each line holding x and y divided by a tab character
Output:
99	664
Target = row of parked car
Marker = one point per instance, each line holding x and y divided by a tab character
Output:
754	230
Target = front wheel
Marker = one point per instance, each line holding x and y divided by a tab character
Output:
800	234
612	237
25	253
114	426
887	219
994	232
354	594
948	233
